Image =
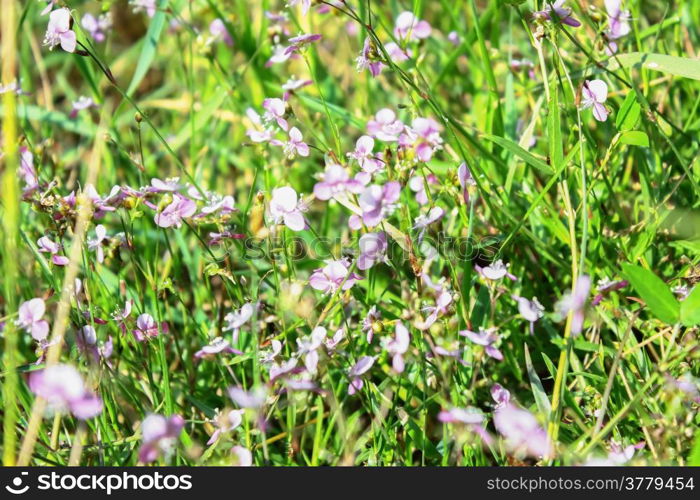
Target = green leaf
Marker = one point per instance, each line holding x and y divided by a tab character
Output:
528	158
679	66
628	116
694	457
690	308
148	51
654	292
556	148
692	246
541	399
635	138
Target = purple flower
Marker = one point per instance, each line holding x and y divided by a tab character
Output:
120	316
470	416
575	303
298	42
594	94
64	390
267	357
97	242
305	5
495	271
169	185
396	53
385	126
465	180
236	319
522	431
409	27
332	276
336	180
373	316
443	301
218	31
531	310
226	423
146	327
368	59
417	185
172	215
30	319
97	27
364	154
148	6
254	398
295	145
285	207
562	13
500	395
360	368
373	248
242	456
46	245
398	346
618	24
336	339
275	110
216	346
82	103
308	347
424	137
605	286
159	436
486	338
58	31
423	221
377	202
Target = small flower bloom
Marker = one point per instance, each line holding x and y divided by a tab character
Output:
236	319
417	185
562	13
173	215
332	276
226	423
336	181
423	221
58	31
575	303
594	94
159	434
385	126
255	398
96	244
369	59
605	286
82	103
364	155
373	318
360	368
243	456
377	202
618	24
409	27
443	301
398	346
531	310
486	338
522	431
294	146
146	327
64	390
465	180
46	245
285	207
148	6
216	346
97	27
30	319
218	31
500	395
275	110
305	5
495	271
373	248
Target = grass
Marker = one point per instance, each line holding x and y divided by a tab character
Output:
556	195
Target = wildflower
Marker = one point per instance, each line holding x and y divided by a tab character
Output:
417	185
336	180
682	291
295	144
618	24
285	207
396	53
148	6
97	27
121	315
595	93
373	248
470	416
30	318
267	357
486	338
217	203
453	38
169	185
358	369
443	301
409	27
243	456
334	275
284	368
308	347
46	245
216	346
172	215
377	202
58	31
531	310
423	136
617	456
255	398
563	14
385	126
332	343
298	42
605	286
82	103
368	59
575	303
159	434
371	323
27	170
423	221
522	431
97	242
305	5
275	109
217	238
465	180
226	423
365	156
64	390
146	327
495	271
218	31
398	346
500	395
236	319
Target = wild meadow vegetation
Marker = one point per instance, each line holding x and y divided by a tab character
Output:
350	232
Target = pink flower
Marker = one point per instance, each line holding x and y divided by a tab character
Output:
443	301
360	368
396	53
409	27
169	185
217	346
368	59
81	104
618	24
254	398
97	242
373	248
295	145
226	423
531	310
120	316
149	6
286	208
424	137
398	346
275	109
46	245
495	271
417	185
297	42
159	436
522	431
64	390
336	180
465	180
594	94
58	31
486	338
373	315
218	31
576	303
236	319
27	170
332	276
562	13
365	156
305	5
30	319
97	27
423	221
377	202
500	395
146	327
242	456
172	215
385	126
